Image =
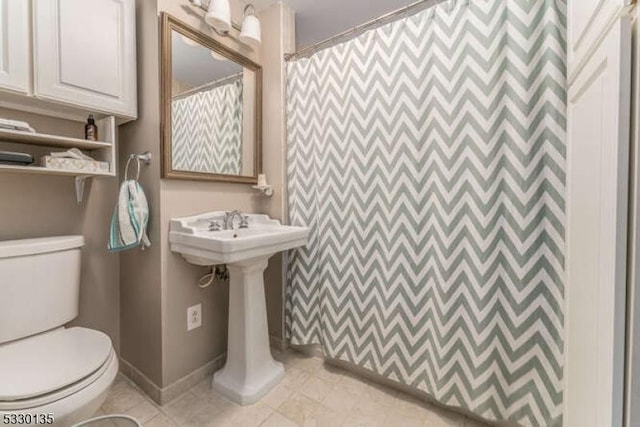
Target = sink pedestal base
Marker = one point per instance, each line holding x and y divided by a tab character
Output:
250	371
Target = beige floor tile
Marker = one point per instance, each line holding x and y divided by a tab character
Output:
121	398
299	408
316	389
202	415
410	406
182	408
119	383
204	391
203	387
278	420
307	364
354	385
365	406
398	420
325	417
330	373
143	412
202	407
208	416
295	378
160	420
364	421
346	377
277	396
341	400
440	418
312	394
251	416
381	395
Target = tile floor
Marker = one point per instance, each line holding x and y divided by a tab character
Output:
311	395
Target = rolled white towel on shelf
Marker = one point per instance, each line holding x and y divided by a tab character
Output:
16	125
73	153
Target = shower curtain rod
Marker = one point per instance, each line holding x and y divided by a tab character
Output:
207	86
376	22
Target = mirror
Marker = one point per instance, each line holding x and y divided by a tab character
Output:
211	107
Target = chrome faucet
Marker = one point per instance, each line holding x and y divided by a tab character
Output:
227	221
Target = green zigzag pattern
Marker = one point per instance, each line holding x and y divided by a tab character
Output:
428	158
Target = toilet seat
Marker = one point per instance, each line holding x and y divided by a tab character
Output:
51	366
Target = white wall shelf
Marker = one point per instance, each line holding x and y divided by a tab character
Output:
39	170
50	140
104	151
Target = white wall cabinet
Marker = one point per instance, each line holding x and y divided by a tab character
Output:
85	54
15	61
597	200
588	20
69	57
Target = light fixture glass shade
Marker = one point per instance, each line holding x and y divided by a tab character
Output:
189	42
219	15
215	55
251	33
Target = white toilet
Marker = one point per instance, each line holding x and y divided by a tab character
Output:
44	367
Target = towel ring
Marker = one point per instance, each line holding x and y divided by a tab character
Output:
126	171
146	158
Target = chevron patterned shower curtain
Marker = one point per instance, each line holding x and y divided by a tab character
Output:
428	158
207	130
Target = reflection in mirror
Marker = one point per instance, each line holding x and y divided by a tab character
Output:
213	132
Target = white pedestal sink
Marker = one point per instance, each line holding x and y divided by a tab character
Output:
250	371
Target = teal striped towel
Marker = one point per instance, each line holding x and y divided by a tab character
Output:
130	218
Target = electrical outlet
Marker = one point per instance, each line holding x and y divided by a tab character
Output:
194	317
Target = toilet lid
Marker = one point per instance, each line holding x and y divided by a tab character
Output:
44	363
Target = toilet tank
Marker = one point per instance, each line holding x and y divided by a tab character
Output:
39	284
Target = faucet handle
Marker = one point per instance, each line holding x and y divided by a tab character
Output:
214	226
244	221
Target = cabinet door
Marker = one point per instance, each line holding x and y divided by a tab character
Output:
15	49
597	199
85	54
587	22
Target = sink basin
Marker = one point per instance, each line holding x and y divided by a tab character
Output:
264	237
250	371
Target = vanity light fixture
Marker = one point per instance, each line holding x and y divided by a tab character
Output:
218	17
251	33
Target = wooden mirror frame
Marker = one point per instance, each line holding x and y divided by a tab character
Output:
169	24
